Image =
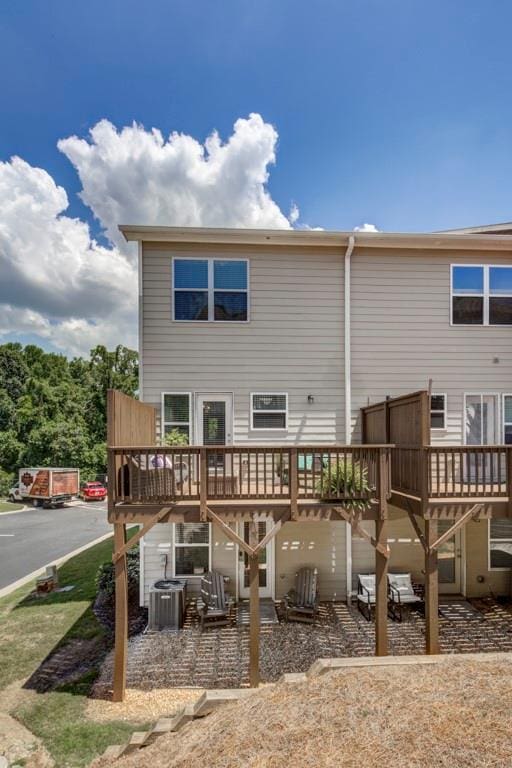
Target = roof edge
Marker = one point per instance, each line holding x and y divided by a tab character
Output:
317	238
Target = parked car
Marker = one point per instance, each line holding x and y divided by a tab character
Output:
92	491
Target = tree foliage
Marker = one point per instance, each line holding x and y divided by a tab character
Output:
53	410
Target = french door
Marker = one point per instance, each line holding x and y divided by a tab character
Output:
481	427
214	424
266	560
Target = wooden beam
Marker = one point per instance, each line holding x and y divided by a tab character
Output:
130	543
419	532
381	589
473	513
254	609
431	589
353	519
203	486
273	532
509	479
230	533
121	616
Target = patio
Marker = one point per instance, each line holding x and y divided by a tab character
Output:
219	658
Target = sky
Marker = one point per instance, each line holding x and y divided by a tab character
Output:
332	114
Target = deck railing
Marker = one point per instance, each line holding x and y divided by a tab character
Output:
452	471
151	474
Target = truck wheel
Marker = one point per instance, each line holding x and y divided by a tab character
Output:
37	503
11	498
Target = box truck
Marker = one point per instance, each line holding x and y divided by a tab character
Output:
48	486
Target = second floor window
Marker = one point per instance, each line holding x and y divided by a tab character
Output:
438	412
206	290
481	295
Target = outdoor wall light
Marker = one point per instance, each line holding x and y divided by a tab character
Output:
311	399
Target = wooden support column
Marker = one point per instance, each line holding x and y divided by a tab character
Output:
381	559
121	615
254	609
381	590
431	589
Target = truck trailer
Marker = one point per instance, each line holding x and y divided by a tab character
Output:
48	486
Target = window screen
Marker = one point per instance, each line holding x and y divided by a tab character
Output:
269	411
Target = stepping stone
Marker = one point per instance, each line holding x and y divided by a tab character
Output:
164	725
114	751
210	700
138	739
293	677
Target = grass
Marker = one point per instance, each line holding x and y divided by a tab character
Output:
30	628
8	506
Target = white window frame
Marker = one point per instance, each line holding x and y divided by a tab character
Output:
485	295
503	411
211	289
489	567
444	411
172	424
175	546
273	410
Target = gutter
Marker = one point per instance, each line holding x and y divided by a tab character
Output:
348	397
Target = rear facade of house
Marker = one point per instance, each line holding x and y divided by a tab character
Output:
276	338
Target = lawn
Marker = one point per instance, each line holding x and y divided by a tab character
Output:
8	506
30	628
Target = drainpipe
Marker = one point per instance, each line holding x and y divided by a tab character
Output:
348	398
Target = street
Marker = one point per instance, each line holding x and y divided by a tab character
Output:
32	539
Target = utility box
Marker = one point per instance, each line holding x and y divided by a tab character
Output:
167	601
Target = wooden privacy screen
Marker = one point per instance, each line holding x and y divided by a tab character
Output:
403	420
129	422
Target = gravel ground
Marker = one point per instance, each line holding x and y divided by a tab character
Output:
219	658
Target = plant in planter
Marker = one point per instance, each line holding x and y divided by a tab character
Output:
175	438
347	481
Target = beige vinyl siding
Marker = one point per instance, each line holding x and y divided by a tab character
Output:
319	545
477	564
401	333
159	540
293	342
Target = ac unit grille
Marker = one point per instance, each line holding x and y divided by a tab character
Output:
166	608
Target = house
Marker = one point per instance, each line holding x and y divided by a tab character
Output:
281	344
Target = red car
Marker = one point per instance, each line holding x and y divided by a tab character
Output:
92	491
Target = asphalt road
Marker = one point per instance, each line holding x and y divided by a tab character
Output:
32	539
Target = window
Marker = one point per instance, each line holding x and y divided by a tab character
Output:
269	411
507	419
210	290
191	549
438	412
481	295
176	411
500	543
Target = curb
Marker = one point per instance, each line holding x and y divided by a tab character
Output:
31	576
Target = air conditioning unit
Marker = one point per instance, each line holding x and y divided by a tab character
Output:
167	599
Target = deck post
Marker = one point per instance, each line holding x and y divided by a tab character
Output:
431	589
121	615
254	610
381	558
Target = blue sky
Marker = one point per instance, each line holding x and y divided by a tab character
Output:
397	113
394	113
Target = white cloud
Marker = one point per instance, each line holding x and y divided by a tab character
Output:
135	176
61	285
366	228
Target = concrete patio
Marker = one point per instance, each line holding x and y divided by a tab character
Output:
219	658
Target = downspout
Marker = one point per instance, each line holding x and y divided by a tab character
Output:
141	319
348	397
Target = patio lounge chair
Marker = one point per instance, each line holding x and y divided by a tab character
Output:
366	594
301	603
400	593
214	606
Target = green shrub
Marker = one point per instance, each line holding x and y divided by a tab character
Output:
175	437
105	577
347	481
7	480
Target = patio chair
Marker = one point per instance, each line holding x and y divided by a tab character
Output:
366	594
214	607
301	603
400	593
